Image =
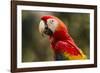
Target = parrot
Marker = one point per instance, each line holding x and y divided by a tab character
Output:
61	42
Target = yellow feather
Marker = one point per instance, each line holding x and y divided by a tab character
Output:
75	57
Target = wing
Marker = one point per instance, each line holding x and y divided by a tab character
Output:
69	50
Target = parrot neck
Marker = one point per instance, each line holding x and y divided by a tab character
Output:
58	36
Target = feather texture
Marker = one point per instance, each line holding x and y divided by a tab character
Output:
65	45
61	42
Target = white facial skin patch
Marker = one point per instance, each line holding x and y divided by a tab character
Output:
52	24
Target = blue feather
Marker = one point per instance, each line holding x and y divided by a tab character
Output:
59	57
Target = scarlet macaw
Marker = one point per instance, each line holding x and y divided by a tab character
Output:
60	40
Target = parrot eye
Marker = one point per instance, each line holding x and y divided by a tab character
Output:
51	21
52	24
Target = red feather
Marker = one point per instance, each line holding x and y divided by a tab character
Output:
62	42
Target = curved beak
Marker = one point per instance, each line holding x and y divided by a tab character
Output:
41	27
44	29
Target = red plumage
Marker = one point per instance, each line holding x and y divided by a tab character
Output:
61	41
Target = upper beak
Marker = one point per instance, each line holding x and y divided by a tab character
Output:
41	27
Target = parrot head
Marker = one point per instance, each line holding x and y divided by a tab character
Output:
50	24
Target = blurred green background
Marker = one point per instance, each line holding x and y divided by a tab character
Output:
37	48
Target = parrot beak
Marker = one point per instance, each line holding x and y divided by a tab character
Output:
44	29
